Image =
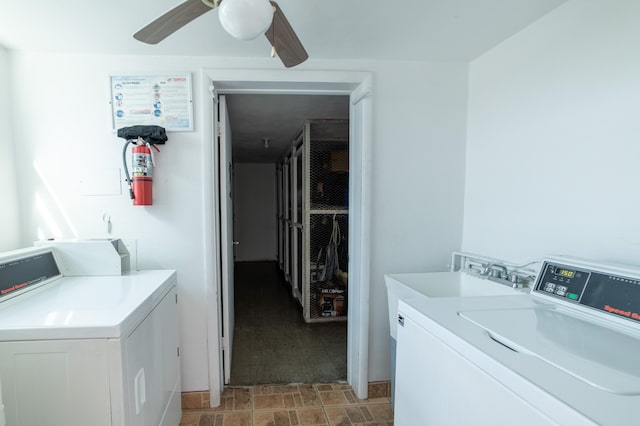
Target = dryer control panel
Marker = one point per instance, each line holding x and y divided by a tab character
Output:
615	294
19	274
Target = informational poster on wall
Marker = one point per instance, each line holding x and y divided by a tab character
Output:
160	100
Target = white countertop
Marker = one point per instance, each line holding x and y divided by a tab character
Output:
554	389
84	307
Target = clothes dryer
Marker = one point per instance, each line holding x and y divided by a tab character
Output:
87	350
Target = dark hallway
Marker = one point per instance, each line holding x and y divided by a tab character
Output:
272	343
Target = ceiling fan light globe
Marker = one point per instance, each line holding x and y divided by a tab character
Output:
245	19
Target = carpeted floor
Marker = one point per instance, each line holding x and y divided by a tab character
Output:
272	343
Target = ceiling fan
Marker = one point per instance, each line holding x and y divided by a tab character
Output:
243	19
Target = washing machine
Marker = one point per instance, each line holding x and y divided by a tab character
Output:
565	354
87	350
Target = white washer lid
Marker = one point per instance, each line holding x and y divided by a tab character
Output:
600	356
84	307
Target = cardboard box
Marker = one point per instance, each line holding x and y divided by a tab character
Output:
332	300
340	161
333	304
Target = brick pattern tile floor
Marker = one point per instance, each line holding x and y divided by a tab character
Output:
333	404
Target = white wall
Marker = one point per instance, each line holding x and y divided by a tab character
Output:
553	145
418	178
61	107
63	113
9	217
255	211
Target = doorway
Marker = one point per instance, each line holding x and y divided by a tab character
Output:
280	337
356	85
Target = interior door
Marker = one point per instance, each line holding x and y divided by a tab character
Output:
287	223
226	234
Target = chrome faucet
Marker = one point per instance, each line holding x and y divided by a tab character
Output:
499	273
496	270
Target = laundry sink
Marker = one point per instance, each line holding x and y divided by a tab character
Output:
431	285
440	284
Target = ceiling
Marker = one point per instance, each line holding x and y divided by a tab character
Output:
457	30
279	118
415	30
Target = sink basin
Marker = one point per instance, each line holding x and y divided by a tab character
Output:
435	284
439	284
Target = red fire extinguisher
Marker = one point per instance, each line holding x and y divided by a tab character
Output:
142	138
142	175
142	163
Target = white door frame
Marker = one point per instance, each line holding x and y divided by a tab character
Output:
357	85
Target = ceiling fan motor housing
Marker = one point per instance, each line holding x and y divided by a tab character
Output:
245	19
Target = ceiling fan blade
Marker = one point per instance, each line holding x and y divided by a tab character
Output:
284	39
173	20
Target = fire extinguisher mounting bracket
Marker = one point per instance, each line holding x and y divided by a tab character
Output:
154	135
